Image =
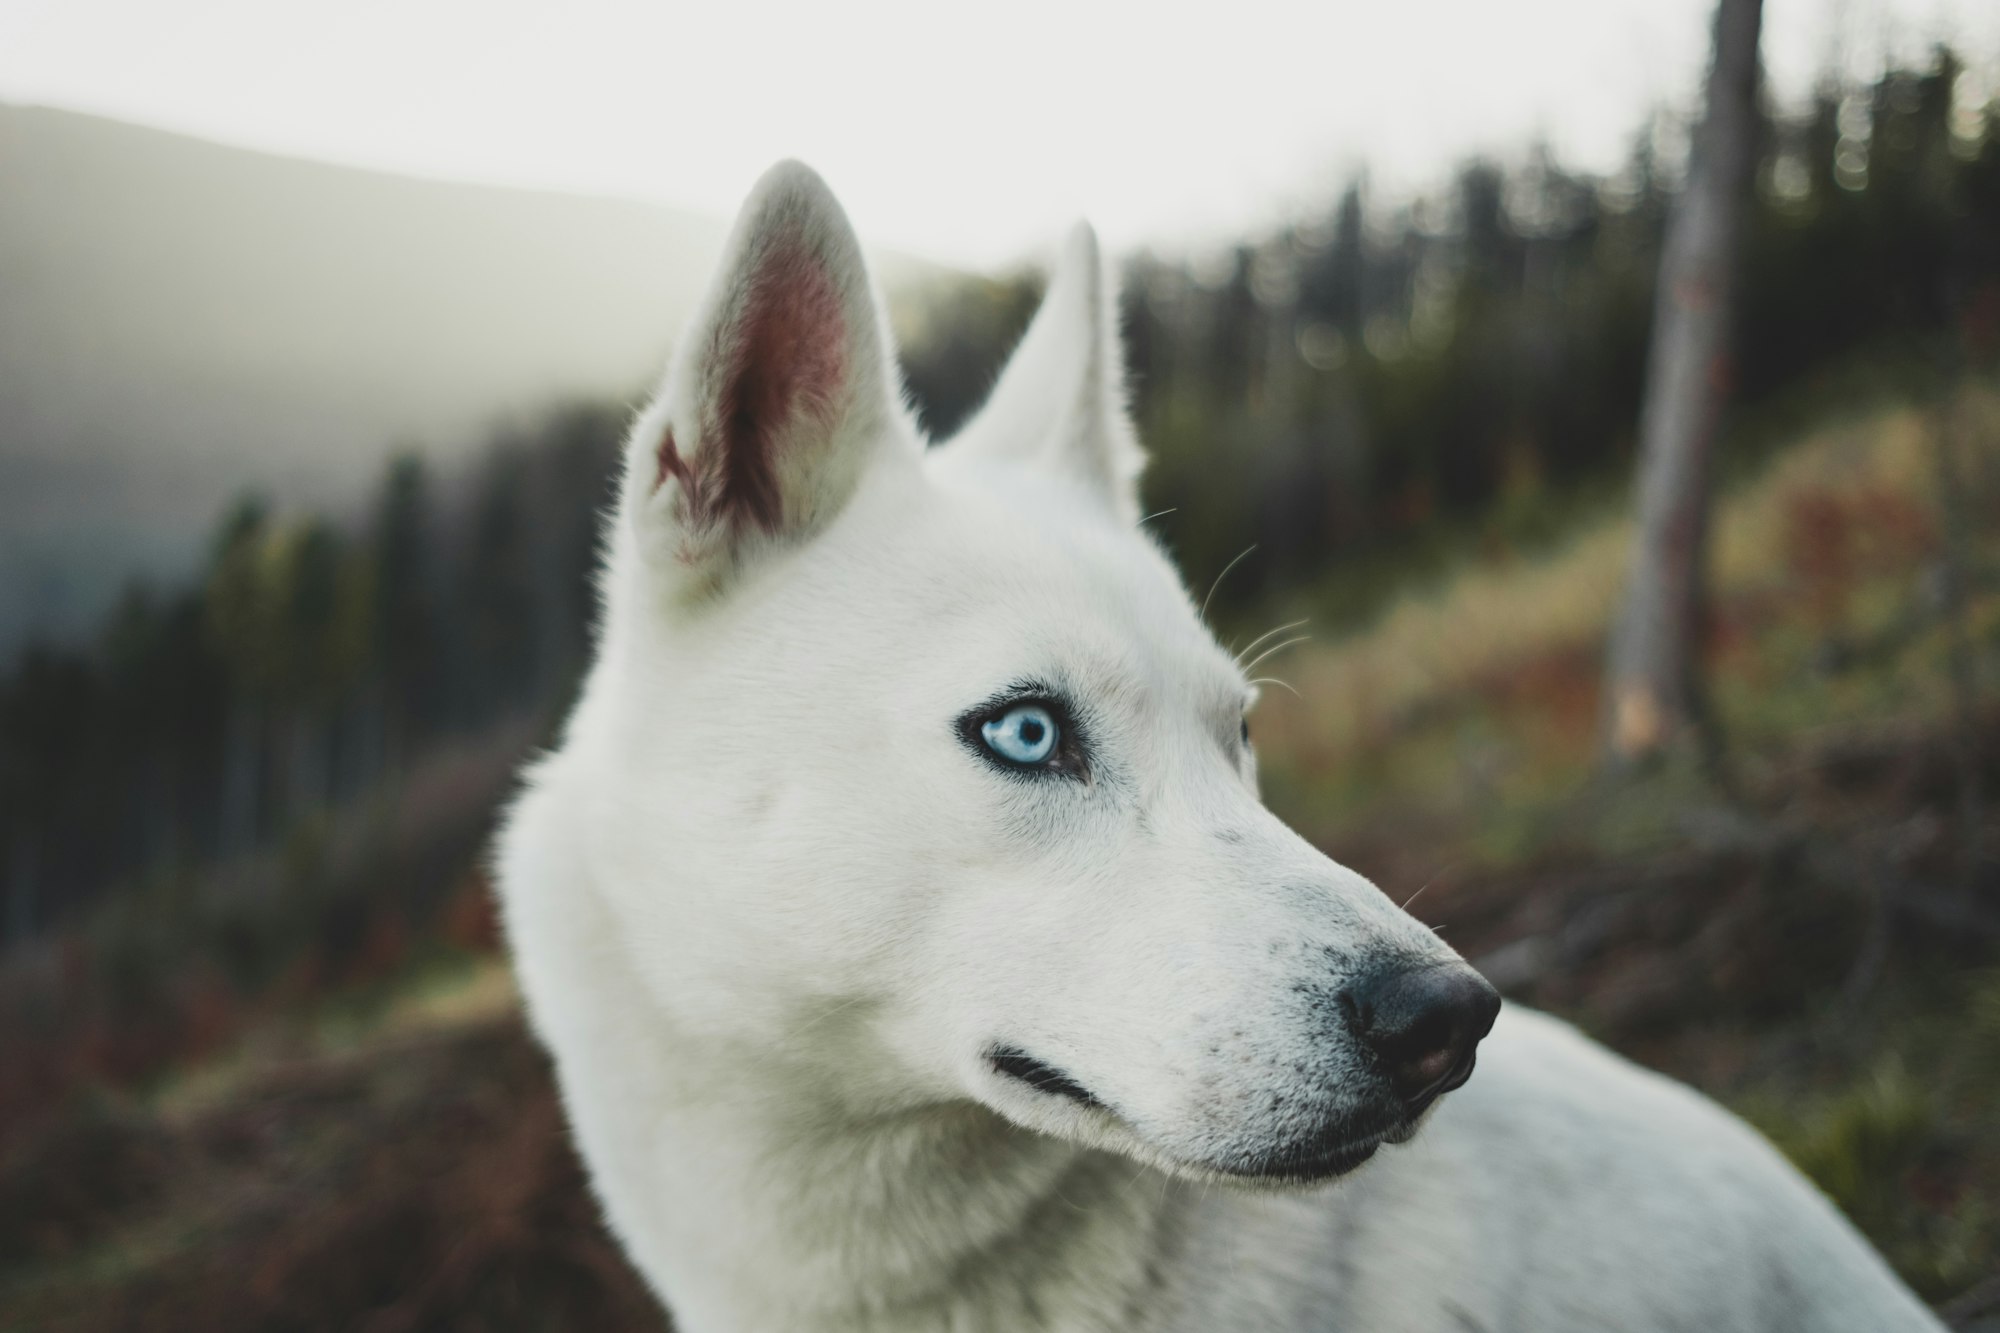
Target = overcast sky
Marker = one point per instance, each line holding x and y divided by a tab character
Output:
966	133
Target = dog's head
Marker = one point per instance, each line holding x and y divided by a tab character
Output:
920	774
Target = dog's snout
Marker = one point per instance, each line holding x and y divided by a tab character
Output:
1423	1025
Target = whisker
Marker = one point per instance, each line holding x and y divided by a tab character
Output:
1223	575
825	1014
1274	649
1158	513
1267	634
1286	684
1426	884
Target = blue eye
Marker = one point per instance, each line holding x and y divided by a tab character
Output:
1024	734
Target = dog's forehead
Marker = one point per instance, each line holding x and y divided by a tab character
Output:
1017	556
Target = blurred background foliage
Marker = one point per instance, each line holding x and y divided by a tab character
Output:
251	812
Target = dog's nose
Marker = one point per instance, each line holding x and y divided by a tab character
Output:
1423	1025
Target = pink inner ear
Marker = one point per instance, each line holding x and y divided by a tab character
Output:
672	465
788	357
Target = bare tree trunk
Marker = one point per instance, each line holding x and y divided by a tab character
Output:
1653	696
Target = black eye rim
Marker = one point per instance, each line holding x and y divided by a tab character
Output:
1069	758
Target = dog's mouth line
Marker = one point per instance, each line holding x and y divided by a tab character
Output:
1277	1168
1017	1064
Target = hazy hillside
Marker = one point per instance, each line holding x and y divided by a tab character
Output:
181	320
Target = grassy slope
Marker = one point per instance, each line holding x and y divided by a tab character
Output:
398	1166
1481	690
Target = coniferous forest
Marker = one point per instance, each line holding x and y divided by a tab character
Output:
1363	394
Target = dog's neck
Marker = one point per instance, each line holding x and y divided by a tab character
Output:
942	1218
753	1200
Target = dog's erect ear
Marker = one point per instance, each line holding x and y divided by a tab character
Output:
1061	401
781	393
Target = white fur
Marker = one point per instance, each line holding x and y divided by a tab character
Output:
771	913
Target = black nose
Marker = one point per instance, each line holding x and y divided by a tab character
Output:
1423	1024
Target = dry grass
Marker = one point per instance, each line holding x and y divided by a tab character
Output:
1831	538
1490	617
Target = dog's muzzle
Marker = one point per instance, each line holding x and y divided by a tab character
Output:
1422	1028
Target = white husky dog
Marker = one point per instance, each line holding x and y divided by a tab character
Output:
915	951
